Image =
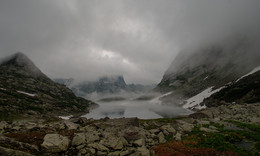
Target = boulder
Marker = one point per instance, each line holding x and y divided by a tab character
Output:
80	147
98	147
83	151
54	143
116	143
185	127
91	151
161	138
101	153
78	139
169	129
81	121
70	125
92	137
143	151
178	136
139	142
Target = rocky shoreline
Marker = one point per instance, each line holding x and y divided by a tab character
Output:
115	137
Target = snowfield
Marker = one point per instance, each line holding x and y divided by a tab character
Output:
194	102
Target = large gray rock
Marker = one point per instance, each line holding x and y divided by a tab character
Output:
92	137
98	147
161	138
139	142
78	139
55	143
91	151
116	143
178	136
184	126
70	125
169	129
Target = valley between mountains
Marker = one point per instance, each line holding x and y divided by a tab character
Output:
42	117
129	78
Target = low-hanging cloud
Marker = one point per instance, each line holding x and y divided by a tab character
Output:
137	39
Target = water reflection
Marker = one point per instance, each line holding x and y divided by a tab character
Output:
130	108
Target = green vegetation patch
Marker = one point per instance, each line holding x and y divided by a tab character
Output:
226	139
252	127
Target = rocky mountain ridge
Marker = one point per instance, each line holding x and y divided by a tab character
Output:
107	86
25	90
216	65
104	85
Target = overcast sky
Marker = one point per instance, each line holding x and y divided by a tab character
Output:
86	39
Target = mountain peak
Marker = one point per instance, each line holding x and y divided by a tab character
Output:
20	61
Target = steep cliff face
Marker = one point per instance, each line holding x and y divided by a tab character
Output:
24	89
195	70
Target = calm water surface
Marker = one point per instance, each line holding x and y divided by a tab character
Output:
141	109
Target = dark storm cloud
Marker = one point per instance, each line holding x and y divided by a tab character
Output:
137	39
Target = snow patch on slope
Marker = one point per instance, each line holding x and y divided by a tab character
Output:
252	72
66	117
29	94
2	89
157	99
194	102
206	78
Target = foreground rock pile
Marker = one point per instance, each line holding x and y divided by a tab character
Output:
125	136
248	113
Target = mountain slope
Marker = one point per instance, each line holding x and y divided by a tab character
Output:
244	90
195	70
24	89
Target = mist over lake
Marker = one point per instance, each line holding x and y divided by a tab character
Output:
131	108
